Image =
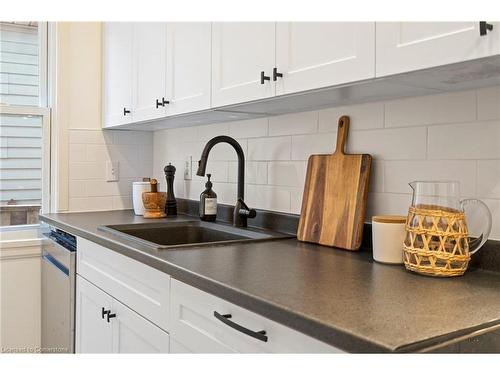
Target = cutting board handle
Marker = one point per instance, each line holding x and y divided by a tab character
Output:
342	131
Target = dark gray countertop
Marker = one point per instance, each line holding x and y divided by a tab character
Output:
340	297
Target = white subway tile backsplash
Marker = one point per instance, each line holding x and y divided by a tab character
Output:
454	136
90	204
222	151
207	132
97	152
287	173
268	197
249	128
475	140
217	169
494	206
77	152
255	172
488	103
125	137
86	170
363	116
488	179
305	145
399	173
89	151
122	202
296	200
377	176
295	123
431	109
387	204
274	148
387	144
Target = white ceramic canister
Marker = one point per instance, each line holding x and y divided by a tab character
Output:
138	188
388	234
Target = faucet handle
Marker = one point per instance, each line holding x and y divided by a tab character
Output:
245	211
250	213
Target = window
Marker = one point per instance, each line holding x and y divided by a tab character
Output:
24	122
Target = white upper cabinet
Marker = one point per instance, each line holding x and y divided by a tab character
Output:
117	73
243	58
188	67
312	55
149	71
407	46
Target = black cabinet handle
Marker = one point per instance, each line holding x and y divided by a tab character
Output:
276	74
264	78
125	111
111	316
259	335
484	27
162	103
104	312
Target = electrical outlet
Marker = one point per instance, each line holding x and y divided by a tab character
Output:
188	174
112	171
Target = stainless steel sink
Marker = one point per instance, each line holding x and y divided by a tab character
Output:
187	233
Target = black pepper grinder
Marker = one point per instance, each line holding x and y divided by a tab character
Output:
171	205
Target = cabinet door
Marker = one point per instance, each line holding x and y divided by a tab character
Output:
311	55
93	332
149	70
240	52
407	46
188	66
117	73
134	334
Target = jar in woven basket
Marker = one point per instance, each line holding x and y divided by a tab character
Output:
437	241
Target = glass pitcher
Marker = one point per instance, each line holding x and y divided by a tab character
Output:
437	238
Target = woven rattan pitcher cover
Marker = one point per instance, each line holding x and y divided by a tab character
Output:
437	239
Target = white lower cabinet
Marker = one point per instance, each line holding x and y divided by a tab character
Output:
125	306
203	323
104	325
93	332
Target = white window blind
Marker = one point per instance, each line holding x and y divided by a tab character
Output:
19	64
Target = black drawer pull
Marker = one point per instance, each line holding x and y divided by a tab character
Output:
104	312
259	335
111	316
484	27
125	111
276	74
264	78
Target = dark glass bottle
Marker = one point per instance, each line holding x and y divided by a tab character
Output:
208	202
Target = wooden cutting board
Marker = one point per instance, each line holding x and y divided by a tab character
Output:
335	195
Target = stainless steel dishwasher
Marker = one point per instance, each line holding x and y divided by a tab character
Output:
58	291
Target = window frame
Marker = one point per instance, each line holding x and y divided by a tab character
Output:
43	110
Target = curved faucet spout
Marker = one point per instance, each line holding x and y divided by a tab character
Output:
202	164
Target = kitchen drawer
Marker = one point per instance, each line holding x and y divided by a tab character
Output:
194	327
142	288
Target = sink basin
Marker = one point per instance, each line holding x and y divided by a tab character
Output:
187	233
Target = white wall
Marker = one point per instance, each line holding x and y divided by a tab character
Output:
448	136
83	147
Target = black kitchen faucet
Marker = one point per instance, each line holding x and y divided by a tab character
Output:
241	210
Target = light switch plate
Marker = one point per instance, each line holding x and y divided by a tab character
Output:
188	174
112	171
